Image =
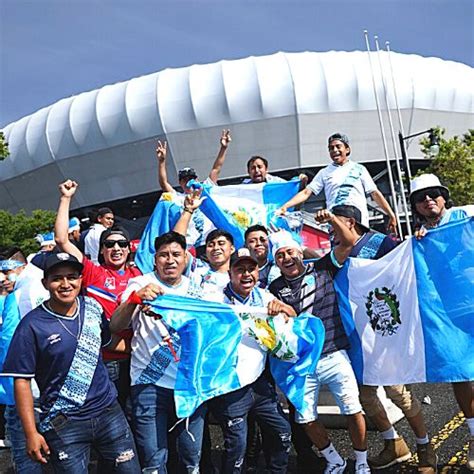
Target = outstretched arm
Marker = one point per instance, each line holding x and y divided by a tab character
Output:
161	153
61	226
299	198
191	202
378	197
218	163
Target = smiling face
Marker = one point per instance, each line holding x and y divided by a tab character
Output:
257	243
64	284
115	250
244	277
430	203
257	171
339	152
218	252
170	262
290	262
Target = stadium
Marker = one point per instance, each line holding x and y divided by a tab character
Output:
282	106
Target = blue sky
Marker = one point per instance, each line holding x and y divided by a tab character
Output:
50	49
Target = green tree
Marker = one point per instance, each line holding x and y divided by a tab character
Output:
454	165
20	229
3	147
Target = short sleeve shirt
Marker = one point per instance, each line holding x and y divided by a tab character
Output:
349	184
372	245
314	292
43	348
204	281
152	362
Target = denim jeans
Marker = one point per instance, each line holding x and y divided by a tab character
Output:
153	413
232	410
108	433
14	430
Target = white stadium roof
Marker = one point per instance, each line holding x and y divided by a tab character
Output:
281	106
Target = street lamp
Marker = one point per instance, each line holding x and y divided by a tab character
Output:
434	147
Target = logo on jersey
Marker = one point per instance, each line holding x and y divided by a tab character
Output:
54	338
110	283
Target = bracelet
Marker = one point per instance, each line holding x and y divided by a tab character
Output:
134	298
188	210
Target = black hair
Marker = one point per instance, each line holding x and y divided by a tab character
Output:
214	234
13	253
255	228
255	158
106	234
169	238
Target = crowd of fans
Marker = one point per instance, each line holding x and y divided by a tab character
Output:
85	364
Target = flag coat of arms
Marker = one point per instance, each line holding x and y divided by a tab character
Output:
410	314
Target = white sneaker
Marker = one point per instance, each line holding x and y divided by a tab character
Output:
362	468
335	468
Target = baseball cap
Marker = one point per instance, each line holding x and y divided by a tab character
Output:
62	258
187	173
339	136
74	224
353	212
241	255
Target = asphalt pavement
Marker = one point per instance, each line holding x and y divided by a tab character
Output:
447	430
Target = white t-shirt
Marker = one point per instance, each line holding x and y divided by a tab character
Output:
348	184
251	357
205	282
92	241
151	360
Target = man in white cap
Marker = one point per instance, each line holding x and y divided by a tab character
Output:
431	205
311	288
344	182
46	241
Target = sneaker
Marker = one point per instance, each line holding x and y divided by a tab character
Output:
362	468
335	468
393	452
427	459
470	454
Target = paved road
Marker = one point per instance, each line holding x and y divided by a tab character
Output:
448	432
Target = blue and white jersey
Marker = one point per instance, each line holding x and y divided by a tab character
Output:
348	184
454	214
152	362
251	357
205	283
44	347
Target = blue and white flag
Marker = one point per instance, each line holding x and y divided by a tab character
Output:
210	334
410	314
164	218
235	208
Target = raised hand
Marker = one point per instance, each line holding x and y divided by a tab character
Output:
323	216
193	200
225	138
68	188
161	150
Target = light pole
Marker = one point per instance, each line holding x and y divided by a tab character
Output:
434	147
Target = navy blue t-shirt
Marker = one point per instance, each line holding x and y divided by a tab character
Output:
42	348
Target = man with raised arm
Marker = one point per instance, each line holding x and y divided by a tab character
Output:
344	182
104	282
311	288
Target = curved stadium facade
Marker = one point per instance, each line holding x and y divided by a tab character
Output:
281	106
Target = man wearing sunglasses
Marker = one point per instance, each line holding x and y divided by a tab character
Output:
104	282
432	207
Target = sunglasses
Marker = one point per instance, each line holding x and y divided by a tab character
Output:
110	244
431	193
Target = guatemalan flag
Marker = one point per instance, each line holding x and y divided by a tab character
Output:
410	314
235	208
210	334
232	208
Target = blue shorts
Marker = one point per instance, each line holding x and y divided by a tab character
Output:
335	371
